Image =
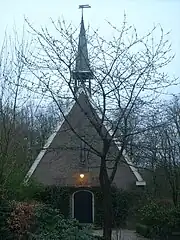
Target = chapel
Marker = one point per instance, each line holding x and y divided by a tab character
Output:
66	159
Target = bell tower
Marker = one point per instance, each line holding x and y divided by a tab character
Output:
82	73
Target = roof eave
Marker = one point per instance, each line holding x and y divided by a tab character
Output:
140	183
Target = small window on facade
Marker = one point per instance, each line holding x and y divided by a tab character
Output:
83	152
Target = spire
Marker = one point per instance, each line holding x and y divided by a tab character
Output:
82	61
82	73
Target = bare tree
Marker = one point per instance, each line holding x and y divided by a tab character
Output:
170	148
13	98
158	149
125	68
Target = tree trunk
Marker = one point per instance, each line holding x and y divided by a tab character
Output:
107	202
175	196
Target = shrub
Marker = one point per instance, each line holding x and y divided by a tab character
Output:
121	206
56	197
50	224
174	219
21	218
26	193
160	217
5	211
40	222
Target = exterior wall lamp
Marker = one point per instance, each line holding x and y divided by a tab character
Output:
81	175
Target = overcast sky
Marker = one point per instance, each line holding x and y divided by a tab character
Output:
142	13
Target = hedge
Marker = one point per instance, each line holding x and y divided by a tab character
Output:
159	218
124	203
59	198
5	211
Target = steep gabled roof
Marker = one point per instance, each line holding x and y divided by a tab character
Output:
139	179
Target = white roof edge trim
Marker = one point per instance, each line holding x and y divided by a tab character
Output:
130	164
133	168
143	183
43	151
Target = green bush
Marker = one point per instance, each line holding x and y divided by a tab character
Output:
56	197
29	192
121	205
34	221
174	220
161	218
50	224
21	218
153	214
5	211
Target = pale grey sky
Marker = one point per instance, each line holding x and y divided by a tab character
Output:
142	13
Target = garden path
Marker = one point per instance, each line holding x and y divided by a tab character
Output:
124	234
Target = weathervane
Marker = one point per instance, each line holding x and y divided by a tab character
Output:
84	6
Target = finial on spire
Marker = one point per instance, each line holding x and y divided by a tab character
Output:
84	6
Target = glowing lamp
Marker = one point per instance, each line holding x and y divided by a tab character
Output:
81	175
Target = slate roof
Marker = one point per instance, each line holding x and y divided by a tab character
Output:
134	170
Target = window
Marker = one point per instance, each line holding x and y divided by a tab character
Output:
83	152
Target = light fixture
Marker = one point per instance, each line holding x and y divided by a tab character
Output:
81	175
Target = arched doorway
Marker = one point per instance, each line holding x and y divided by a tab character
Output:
83	206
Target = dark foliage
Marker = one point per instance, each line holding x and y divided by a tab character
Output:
49	223
123	202
160	218
5	211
